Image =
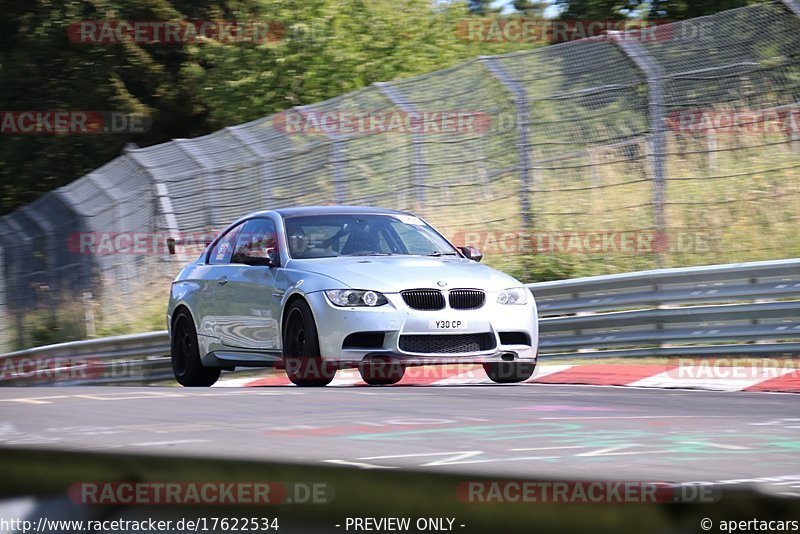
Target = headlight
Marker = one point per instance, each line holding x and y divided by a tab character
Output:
355	297
513	295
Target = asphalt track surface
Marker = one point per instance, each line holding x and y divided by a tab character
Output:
523	430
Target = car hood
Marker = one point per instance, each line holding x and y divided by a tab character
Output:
391	274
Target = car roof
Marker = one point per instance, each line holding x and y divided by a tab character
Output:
330	210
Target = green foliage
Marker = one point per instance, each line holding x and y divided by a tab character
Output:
330	47
56	325
671	10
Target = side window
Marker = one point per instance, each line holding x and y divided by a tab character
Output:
223	250
257	238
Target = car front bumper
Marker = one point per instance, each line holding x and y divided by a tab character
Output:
396	319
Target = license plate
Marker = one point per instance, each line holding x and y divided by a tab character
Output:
447	324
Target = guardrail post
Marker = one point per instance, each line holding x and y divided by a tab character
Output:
418	157
520	97
656	140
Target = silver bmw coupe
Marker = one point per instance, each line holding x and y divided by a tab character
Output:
316	289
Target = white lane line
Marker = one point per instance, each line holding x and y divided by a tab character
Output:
359	464
612	451
174	442
550	448
235	382
131	396
697	377
418	454
457	458
717	445
639	417
349	377
545	370
35	400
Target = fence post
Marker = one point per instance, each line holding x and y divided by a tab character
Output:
418	157
264	162
793	5
16	237
520	97
5	282
337	161
656	140
41	221
210	179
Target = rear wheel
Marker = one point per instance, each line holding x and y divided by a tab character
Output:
381	373
509	372
185	353
301	354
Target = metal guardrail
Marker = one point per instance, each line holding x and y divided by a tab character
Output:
129	359
742	309
736	309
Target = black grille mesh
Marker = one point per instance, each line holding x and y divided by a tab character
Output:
467	299
446	343
423	299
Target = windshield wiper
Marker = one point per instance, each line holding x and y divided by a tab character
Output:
370	254
438	253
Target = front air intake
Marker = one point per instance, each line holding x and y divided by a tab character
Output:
446	343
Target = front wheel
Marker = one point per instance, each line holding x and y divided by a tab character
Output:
185	354
509	372
301	354
381	373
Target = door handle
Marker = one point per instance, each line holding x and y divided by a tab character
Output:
222	280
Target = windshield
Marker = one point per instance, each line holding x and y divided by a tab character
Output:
328	236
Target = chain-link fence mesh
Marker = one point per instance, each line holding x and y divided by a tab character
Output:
618	153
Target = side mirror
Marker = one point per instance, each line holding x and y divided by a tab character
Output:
258	257
471	253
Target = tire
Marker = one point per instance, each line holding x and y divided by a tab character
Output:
185	354
301	354
509	372
381	373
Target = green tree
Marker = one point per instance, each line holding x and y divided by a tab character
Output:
42	69
330	47
650	9
482	7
